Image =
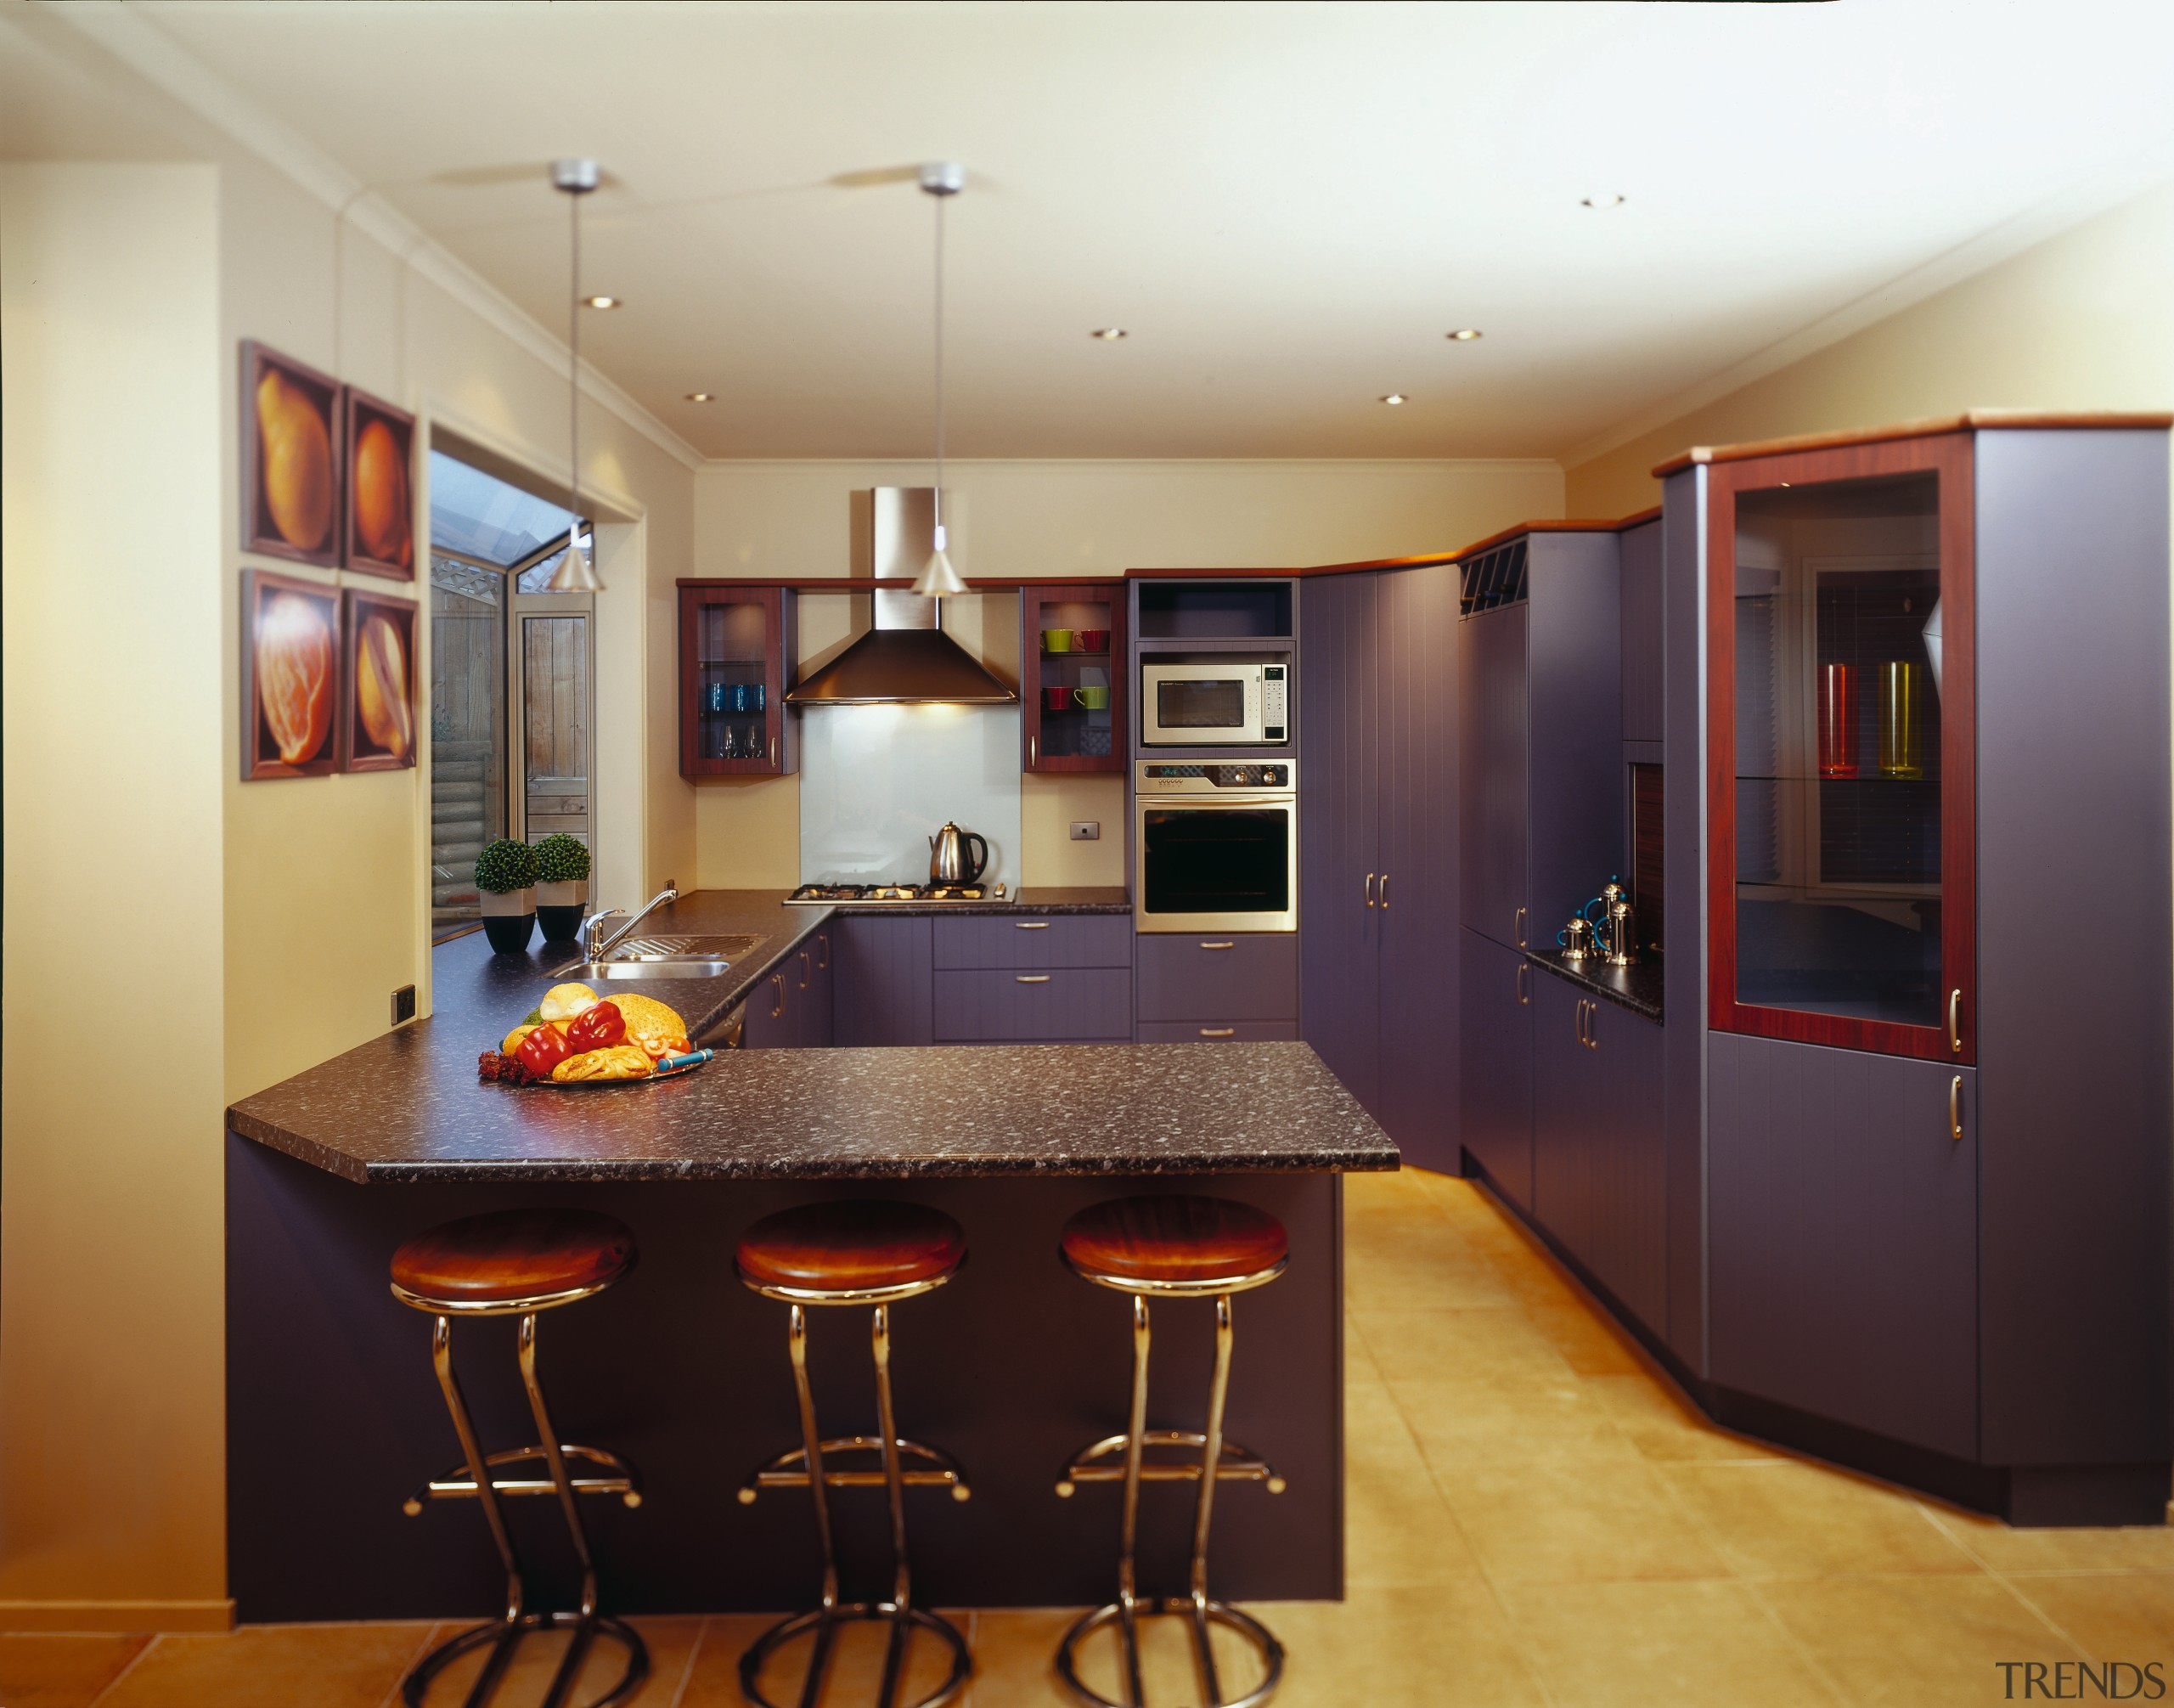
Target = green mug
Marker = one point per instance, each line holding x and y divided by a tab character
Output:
1093	699
1057	641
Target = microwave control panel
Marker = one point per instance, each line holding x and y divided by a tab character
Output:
1274	703
1159	777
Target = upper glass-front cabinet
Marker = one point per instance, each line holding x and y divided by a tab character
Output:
1840	728
735	650
1073	647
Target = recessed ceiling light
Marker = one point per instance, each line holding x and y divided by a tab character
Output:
1609	199
701	396
602	301
1463	335
1108	334
1394	399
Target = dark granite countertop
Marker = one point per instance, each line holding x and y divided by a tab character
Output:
1636	987
407	1106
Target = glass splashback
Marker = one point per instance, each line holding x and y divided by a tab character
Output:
1837	748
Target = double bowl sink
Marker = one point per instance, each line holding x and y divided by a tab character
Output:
664	957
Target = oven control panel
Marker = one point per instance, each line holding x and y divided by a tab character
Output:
1164	777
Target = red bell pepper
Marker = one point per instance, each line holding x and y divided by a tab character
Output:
544	1049
597	1027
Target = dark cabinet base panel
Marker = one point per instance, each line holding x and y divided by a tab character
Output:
2028	1496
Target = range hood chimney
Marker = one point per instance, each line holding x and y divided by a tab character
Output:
906	658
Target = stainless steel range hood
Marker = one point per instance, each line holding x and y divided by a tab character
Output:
906	658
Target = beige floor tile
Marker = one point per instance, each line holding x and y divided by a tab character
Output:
1449	1345
671	1643
62	1670
1577	1520
273	1666
1665	1426
1435	1648
1920	1641
1358	1364
1508	1420
1784	1517
1015	1657
1671	1645
2113	1616
1168	1669
1587	1341
2139	1547
856	1664
1397	1531
1418	1267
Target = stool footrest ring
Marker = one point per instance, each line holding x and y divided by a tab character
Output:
457	1483
1236	1464
504	1636
1199	1614
824	1621
788	1470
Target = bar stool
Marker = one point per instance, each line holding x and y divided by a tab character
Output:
518	1263
1173	1247
859	1251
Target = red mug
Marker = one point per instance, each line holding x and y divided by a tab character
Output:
1091	640
1057	698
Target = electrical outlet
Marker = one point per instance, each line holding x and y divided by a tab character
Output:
403	1005
1086	829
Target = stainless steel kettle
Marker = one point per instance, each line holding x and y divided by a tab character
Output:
956	856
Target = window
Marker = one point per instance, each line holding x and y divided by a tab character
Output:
510	680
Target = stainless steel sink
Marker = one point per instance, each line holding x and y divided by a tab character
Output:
664	957
588	972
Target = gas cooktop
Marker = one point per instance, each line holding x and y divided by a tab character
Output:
810	894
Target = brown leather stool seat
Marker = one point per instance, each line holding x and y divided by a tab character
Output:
1175	1244
486	1263
856	1249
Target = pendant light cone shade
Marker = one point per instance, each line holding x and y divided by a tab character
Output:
576	569
939	580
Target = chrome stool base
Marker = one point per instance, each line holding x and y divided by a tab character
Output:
1199	1615
505	1636
824	1621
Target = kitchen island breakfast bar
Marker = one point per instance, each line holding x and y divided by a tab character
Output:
334	1419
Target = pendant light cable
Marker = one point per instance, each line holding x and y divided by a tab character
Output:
940	200
576	572
941	179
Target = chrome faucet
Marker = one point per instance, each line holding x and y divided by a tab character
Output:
599	945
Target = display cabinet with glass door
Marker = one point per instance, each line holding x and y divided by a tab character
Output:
736	657
1840	639
1073	646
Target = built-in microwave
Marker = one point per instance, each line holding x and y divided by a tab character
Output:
1213	703
1215	847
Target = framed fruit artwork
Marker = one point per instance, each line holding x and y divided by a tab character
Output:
290	659
378	717
378	529
290	466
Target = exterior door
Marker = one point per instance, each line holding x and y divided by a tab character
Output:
553	645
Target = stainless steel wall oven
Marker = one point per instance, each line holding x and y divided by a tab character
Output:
1215	847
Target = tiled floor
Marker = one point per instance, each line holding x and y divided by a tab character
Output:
1535	1518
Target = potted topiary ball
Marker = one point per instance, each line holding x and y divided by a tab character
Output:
505	873
562	887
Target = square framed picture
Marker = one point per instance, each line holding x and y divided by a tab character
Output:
290	462
378	716
378	526
290	660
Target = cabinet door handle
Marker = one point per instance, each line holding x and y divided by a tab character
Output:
823	964
1581	1019
777	980
1592	1025
1521	928
805	969
1369	889
1219	946
1219	1031
1030	925
1955	1108
1385	889
774	752
1955	1022
1032	977
1034	751
1524	996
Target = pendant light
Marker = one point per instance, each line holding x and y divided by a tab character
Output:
942	180
576	572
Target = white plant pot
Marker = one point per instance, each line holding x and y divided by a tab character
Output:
574	894
510	905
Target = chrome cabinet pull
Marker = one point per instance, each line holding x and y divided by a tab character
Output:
1592	1025
1032	977
805	972
1581	1019
1219	946
774	752
1030	925
778	980
1955	1022
1955	1108
1521	928
1369	889
1385	889
823	964
1219	1031
1524	996
1034	751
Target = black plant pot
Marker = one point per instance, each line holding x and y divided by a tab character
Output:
509	932
561	924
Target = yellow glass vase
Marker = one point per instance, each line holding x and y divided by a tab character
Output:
1901	723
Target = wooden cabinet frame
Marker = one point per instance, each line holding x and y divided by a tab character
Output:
1948	456
781	752
1034	596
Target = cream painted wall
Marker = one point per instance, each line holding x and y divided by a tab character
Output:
112	1438
2080	322
1051	520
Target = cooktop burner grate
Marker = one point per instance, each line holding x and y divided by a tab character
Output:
895	894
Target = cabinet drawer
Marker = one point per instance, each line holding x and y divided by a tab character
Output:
1033	941
1218	976
1219	1031
980	1007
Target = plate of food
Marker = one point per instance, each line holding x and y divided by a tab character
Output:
574	1037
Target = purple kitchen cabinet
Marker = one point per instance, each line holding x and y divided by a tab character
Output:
881	968
1495	1087
1066	1005
1218	1032
1032	942
1563	1085
1213	977
1495	732
1645	698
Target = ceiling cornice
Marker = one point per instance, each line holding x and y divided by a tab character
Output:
138	44
2098	193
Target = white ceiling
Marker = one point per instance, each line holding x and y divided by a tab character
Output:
1287	204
